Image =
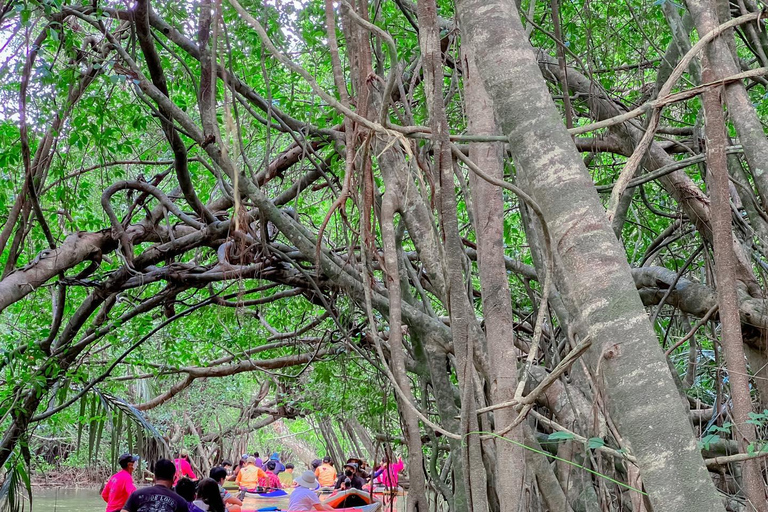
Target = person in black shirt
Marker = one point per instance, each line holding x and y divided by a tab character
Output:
159	497
349	478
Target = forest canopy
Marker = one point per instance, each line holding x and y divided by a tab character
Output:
523	244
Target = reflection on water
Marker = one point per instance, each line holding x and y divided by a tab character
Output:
88	500
67	500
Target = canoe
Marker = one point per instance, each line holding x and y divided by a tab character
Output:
277	493
373	507
389	491
353	499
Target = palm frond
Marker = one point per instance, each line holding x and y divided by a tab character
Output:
16	490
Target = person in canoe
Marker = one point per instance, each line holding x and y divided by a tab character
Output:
249	477
236	470
271	480
326	473
279	465
286	477
120	485
303	497
208	497
183	467
219	474
388	473
350	478
159	497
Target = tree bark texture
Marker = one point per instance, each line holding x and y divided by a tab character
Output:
625	357
488	206
458	302
725	273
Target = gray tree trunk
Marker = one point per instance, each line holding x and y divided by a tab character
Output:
497	305
597	286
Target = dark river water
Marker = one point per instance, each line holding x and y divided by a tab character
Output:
88	500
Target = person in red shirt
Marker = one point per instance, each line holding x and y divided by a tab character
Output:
183	468
120	485
270	479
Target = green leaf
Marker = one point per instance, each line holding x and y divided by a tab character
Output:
595	442
560	436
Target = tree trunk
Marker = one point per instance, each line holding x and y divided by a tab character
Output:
463	335
497	305
725	273
597	285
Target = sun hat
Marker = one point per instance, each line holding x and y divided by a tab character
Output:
274	456
352	465
327	458
251	460
307	479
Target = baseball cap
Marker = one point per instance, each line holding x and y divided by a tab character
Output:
126	458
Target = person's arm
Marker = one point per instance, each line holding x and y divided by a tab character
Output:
105	491
129	486
188	469
233	501
399	465
239	477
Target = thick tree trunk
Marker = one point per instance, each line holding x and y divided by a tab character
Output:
597	285
488	206
725	272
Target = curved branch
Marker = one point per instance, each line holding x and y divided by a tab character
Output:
117	226
194	373
158	79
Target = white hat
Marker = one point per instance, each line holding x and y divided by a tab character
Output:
307	479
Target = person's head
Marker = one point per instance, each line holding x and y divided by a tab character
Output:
316	463
256	454
127	461
218	473
165	470
289	467
327	460
307	479
208	492
250	461
186	489
350	468
274	456
271	465
184	454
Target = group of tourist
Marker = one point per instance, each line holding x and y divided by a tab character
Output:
355	474
177	488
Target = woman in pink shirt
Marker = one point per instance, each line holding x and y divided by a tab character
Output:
183	468
388	473
120	485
